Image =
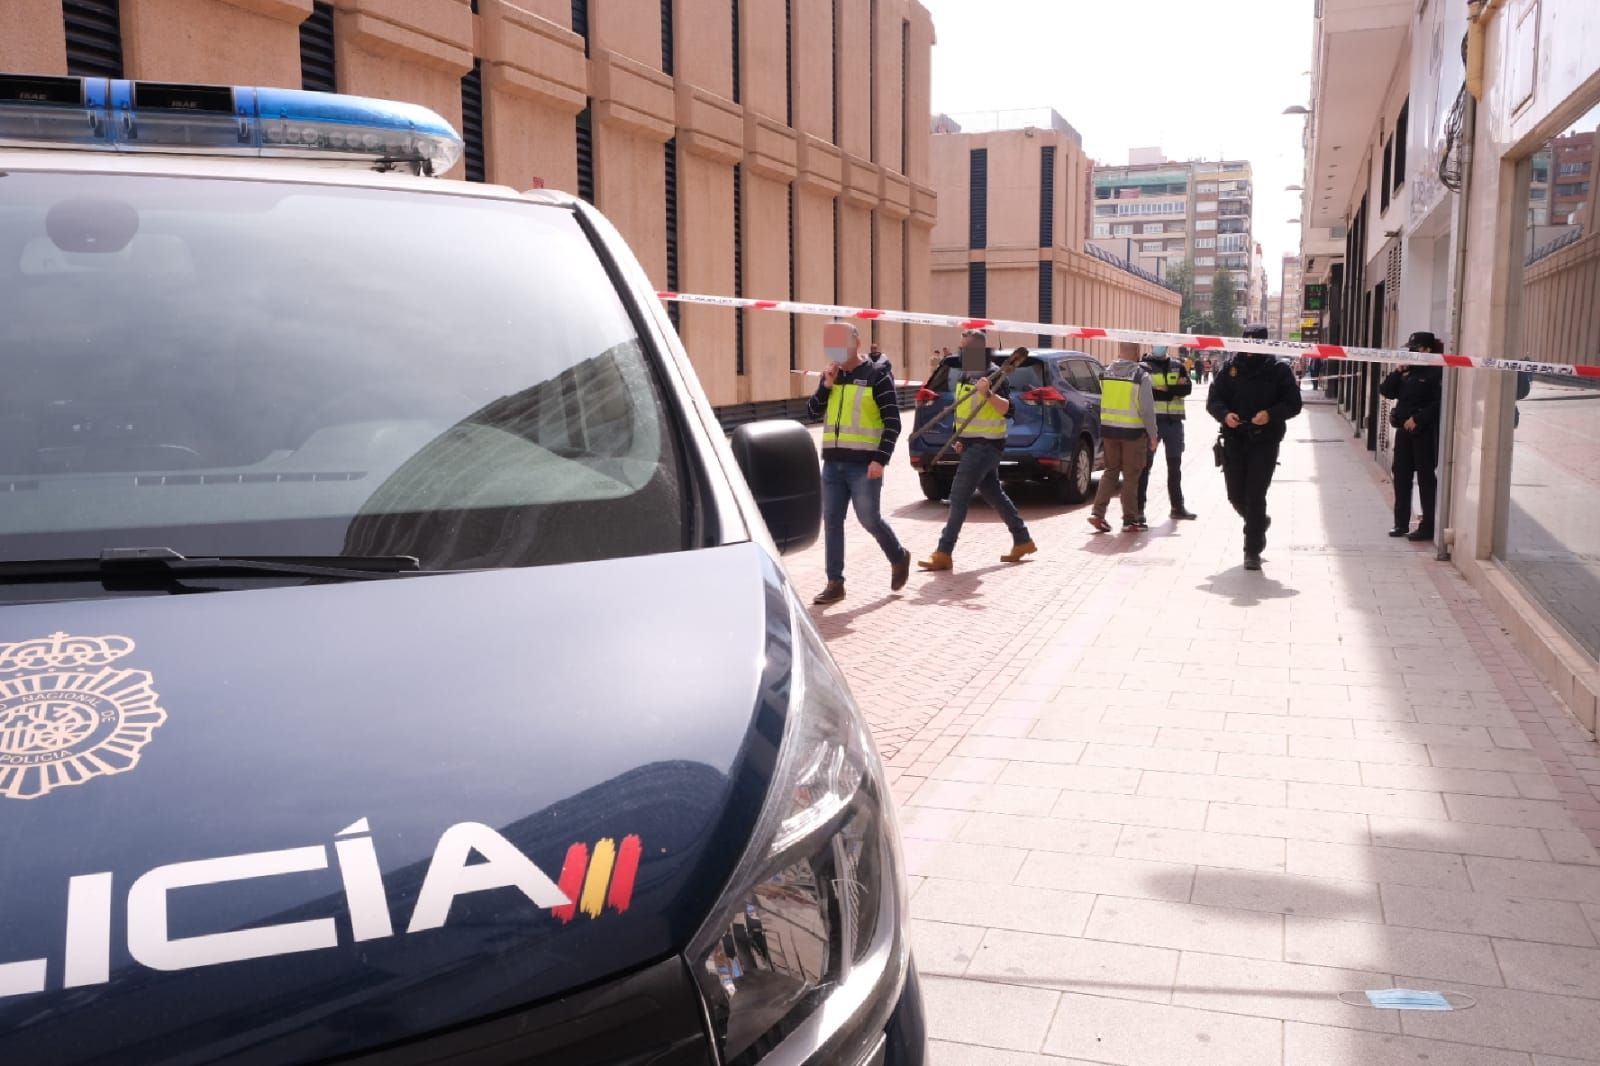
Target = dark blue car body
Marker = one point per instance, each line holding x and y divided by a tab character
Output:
1054	435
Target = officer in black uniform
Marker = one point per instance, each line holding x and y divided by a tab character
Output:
1170	380
1253	396
1417	392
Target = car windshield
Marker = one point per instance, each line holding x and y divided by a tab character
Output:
247	368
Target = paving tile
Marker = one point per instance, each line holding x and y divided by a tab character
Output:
1290	768
992	1015
1390	949
1114	876
985	905
950	1053
1570	845
1539	880
1222	740
1228	850
1040	834
1357	799
1072	964
1162	716
1517	918
1364	751
1400	866
978	862
931	823
1532	814
1440	779
1119	1031
1150	758
1068	730
1516	1020
1534	786
1131	810
1021	749
1214	787
1288	990
1287	894
997	799
1462	838
1186	927
941	948
1326	1045
1461	736
1554	968
1291	725
967	768
1290	824
1478	759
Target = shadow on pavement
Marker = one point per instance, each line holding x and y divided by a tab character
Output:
1248	589
833	623
958	588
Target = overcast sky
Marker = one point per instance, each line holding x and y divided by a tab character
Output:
1196	79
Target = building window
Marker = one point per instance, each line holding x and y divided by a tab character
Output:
1402	128
977	290
472	120
1152	246
1386	175
585	156
1205	224
905	96
1047	298
1205	261
1124	229
1047	196
1206	207
1105	210
317	65
1569	169
1206	188
94	38
1575	188
1205	242
1102	229
1202	281
580	22
978	199
737	78
1154	227
671	160
738	266
794	320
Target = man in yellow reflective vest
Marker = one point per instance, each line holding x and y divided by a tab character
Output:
1129	437
1170	380
984	409
860	424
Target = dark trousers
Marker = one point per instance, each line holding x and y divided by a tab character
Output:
1247	467
979	472
1416	455
1171	433
844	485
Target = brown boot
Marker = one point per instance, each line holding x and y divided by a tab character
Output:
900	571
937	561
1017	551
832	594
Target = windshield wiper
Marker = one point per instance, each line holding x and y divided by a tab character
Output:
144	568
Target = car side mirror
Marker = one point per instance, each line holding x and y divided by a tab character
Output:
779	461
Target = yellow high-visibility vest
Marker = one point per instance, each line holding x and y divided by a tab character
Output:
989	423
853	421
1170	379
1119	404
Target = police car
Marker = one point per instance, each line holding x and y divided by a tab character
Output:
395	664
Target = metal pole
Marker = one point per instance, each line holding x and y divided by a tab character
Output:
1442	533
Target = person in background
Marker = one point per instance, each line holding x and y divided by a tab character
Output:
1417	392
1172	387
861	422
1128	436
1253	396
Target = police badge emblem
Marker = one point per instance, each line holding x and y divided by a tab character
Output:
66	716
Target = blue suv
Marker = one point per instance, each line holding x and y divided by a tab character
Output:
1054	436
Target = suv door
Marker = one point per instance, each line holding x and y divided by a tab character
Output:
1084	377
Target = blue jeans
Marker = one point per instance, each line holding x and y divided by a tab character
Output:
979	472
844	484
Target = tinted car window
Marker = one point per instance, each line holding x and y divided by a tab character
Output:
231	367
1032	374
1083	375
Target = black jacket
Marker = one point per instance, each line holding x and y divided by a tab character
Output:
1248	384
881	381
1417	392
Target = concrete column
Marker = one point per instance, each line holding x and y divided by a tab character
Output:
817	183
855	129
770	165
919	105
535	81
634	114
813	67
34	41
416	50
710	139
886	83
218	42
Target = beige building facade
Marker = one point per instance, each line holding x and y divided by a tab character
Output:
741	146
1012	236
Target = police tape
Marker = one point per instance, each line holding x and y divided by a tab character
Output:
1197	342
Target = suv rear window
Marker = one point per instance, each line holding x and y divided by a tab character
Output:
1083	376
237	367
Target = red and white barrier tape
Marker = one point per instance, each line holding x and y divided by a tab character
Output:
1138	336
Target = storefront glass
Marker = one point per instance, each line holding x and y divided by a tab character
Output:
1552	538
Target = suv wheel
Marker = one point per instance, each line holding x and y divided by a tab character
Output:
1076	480
935	487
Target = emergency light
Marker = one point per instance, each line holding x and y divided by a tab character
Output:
144	116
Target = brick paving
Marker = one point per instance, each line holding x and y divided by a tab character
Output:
1161	811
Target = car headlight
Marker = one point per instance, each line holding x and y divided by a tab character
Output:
807	902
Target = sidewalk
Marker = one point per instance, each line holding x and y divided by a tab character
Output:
1161	811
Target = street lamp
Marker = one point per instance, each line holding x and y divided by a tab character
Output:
1294	188
1296	109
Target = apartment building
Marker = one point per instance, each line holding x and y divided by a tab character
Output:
741	146
1450	177
1011	240
1290	321
1158	213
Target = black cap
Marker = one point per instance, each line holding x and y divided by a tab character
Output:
1423	341
1256	332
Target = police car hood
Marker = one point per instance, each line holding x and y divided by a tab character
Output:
292	823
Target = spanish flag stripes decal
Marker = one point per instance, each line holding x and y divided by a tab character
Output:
595	881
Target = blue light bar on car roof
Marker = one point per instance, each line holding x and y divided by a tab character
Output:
133	116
